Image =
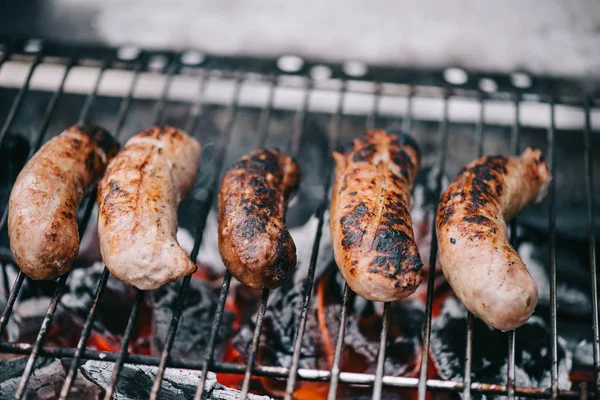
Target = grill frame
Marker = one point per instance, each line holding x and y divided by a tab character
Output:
544	90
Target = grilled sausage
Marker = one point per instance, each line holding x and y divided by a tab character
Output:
371	228
477	259
254	242
42	213
137	202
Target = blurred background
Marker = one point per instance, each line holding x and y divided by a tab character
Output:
544	37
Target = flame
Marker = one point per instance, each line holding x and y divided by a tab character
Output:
329	347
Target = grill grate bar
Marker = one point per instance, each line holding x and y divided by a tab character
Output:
123	351
89	323
299	120
282	372
20	392
372	117
308	287
14	109
552	227
159	108
335	369
589	190
89	100
309	282
255	342
515	143
385	324
224	143
407	122
83	223
265	115
197	107
85	335
130	328
442	148
479	141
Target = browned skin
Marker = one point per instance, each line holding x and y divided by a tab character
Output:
254	242
42	222
478	261
137	201
371	227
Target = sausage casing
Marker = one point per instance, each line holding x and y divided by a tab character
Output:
371	227
137	201
254	242
475	254
42	214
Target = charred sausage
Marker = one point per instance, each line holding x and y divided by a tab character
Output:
42	213
254	242
137	202
477	259
371	227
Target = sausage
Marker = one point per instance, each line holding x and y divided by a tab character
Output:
371	227
254	242
42	213
137	202
475	254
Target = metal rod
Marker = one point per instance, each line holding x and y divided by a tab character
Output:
443	147
180	300
87	106
20	392
85	335
515	143
407	122
265	116
255	342
374	115
161	104
12	298
466	395
299	120
313	375
479	140
197	107
308	289
385	324
309	282
224	142
589	191
335	369
552	228
14	109
126	102
212	340
123	351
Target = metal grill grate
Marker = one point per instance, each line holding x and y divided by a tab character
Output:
414	83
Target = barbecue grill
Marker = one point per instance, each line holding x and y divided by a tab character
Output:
332	92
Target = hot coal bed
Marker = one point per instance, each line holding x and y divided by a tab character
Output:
87	335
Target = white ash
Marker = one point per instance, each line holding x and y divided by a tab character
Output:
26	318
537	270
490	355
45	381
136	381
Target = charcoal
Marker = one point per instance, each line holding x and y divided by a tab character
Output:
45	381
490	355
280	324
194	328
80	293
282	319
135	382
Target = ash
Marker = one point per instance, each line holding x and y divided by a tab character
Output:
193	332
136	381
490	350
45	382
